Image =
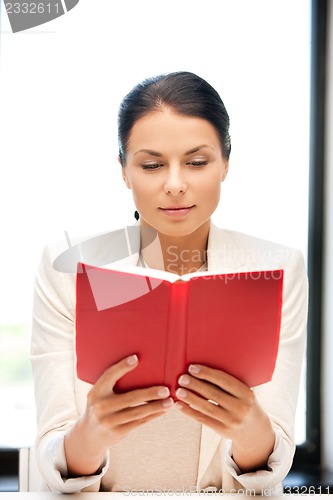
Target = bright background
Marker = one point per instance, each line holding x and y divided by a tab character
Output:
60	88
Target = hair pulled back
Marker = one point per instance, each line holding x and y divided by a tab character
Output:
183	92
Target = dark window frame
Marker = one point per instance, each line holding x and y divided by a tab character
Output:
309	452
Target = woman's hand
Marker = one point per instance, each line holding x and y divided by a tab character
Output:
109	417
230	408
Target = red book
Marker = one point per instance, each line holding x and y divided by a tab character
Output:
226	321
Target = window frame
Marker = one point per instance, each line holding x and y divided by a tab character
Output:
309	452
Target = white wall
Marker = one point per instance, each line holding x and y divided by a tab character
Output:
327	386
60	88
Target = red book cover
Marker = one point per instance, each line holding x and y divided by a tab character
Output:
226	321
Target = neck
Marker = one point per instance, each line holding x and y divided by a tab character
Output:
177	254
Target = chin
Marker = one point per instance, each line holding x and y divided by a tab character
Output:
178	230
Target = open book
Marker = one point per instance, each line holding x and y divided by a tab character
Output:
227	321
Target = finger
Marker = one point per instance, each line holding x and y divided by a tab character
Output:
209	392
222	379
118	402
124	429
108	379
140	412
208	408
211	422
230	418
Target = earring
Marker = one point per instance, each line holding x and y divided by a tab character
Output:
136	215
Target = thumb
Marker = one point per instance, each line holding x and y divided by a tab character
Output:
110	377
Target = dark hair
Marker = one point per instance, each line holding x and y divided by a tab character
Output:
184	92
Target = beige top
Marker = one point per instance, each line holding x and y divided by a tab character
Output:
147	466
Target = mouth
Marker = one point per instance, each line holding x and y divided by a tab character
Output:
177	211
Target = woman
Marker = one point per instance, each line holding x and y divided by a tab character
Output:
174	149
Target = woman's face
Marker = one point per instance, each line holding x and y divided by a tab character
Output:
174	167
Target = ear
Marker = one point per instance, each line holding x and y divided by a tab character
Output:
225	170
123	173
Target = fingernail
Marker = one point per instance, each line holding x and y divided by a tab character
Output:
194	369
167	403
132	360
178	405
163	392
184	380
181	393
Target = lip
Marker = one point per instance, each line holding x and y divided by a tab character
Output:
177	211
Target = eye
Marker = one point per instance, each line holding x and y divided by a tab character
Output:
151	166
197	163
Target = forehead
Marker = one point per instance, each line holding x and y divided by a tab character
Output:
165	129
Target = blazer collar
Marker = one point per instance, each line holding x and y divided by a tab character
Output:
122	248
222	253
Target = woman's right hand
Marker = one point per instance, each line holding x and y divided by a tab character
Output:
109	417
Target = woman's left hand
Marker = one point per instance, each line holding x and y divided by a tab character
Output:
230	408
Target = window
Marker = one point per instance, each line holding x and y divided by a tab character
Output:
59	144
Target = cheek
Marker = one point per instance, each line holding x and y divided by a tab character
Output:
142	191
210	188
210	195
141	187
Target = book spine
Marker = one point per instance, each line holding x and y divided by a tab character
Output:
176	340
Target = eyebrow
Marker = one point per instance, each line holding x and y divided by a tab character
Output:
158	155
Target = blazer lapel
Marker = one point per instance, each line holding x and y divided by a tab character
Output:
210	440
115	248
222	253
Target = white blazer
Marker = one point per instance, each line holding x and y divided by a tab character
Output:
61	396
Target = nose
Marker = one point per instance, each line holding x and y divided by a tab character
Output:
175	182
